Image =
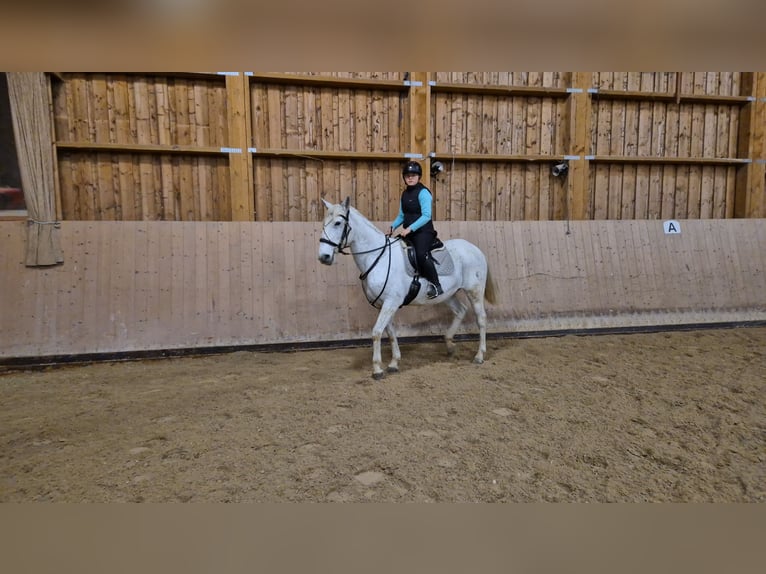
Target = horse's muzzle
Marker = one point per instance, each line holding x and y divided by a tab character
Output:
325	259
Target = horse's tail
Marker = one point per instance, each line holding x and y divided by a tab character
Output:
489	289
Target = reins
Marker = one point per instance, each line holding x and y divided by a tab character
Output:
343	244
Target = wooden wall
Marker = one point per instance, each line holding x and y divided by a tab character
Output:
138	286
267	146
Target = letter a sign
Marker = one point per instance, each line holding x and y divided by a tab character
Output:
672	226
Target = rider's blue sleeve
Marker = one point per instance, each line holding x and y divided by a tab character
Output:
399	218
424	197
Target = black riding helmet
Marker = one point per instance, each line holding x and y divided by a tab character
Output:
412	167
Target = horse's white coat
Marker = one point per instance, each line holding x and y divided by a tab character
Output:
387	284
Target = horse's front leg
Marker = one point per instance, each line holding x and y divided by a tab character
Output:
384	318
396	354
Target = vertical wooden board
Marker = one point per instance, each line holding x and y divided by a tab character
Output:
202	263
473	191
503	193
532	146
641	192
103	201
525	252
223	308
681	199
66	316
293	293
108	278
176	275
219	125
89	286
259	114
737	268
78	113
185	287
144	190
600	193
183	132
128	237
488	120
707	193
668	202
262	189
269	295
202	133
242	253
472	124
694	185
153	256
720	208
516	192
141	281
344	120
487	191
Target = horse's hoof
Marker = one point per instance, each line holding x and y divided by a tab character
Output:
478	360
392	369
378	376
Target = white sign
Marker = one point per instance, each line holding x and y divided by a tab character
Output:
671	226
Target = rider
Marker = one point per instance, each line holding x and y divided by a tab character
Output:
418	228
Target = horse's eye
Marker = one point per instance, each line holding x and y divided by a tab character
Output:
337	223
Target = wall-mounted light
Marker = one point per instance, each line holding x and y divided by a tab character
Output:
436	168
560	169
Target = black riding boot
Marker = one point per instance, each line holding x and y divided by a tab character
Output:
429	272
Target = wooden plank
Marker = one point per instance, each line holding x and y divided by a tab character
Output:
171	149
750	186
237	99
670	97
276	176
420	117
580	117
334	82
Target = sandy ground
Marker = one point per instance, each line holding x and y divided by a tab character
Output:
675	416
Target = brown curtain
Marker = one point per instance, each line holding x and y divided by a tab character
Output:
30	110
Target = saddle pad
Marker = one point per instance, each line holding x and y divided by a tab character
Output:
444	264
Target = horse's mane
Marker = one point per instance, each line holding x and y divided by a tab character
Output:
366	221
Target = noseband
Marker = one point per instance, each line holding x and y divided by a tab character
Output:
343	243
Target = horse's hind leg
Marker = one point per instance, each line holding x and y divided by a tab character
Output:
477	301
459	310
396	354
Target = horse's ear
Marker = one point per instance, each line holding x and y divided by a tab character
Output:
347	202
327	204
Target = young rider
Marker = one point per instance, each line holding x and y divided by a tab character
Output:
415	216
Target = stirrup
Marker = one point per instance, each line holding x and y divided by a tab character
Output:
434	291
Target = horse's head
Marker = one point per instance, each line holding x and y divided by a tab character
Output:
335	231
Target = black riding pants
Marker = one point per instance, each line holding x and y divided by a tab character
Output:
421	241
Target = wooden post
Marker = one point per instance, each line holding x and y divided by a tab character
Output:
240	163
420	120
578	180
750	184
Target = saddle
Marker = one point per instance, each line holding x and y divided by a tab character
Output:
438	254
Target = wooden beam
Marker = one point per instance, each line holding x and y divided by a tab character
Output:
420	120
749	184
670	97
140	148
578	179
640	159
524	91
240	169
324	81
491	157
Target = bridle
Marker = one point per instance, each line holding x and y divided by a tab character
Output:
343	244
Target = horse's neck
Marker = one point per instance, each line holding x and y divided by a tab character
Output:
367	240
